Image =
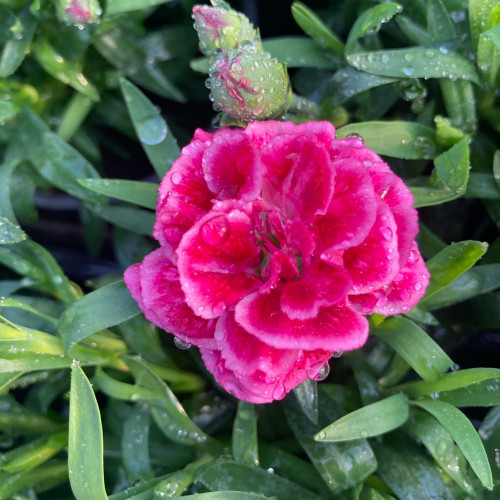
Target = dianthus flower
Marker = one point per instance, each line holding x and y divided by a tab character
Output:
275	242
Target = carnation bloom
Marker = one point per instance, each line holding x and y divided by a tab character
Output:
275	242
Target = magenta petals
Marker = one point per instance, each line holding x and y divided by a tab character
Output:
155	286
275	242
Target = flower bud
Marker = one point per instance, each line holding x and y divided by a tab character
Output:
248	84
78	11
222	28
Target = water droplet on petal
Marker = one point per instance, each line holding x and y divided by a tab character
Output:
177	178
219	308
215	231
183	346
418	286
386	232
323	373
337	354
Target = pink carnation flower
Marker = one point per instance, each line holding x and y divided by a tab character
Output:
275	242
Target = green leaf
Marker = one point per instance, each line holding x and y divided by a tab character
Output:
370	22
426	197
483	393
44	477
54	159
439	23
307	397
245	434
460	103
342	465
479	11
132	219
350	82
448	382
124	49
298	52
153	133
141	193
15	50
414	346
371	420
10	302
316	29
413	30
407	470
98	310
85	445
476	281
482	185
415	62
120	6
33	454
407	140
451	263
228	475
65	71
464	434
299	470
441	447
227	495
452	167
9	232
167	412
135	445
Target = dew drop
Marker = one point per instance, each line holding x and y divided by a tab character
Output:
183	346
219	308
364	434
215	231
386	233
152	130
177	178
418	286
337	354
323	373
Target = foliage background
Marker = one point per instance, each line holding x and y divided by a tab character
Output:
89	102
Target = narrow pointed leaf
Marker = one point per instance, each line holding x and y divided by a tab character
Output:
119	6
85	446
451	263
143	194
307	397
371	420
464	434
370	22
10	233
415	62
316	29
132	219
245	434
415	347
407	140
452	167
98	310
153	133
228	475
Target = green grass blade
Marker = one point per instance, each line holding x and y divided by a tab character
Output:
464	434
85	442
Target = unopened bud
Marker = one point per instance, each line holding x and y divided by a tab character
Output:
248	84
78	12
222	28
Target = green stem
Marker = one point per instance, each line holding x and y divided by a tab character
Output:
460	103
75	113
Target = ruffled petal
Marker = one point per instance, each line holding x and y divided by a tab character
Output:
155	286
354	147
231	166
320	285
375	262
298	178
335	328
244	354
407	288
261	133
352	210
218	261
394	192
184	196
